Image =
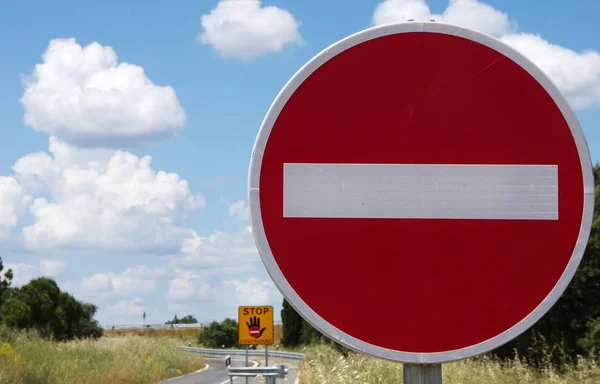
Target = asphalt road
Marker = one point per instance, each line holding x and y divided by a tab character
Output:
217	374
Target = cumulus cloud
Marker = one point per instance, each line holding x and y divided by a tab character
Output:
23	273
97	283
577	74
244	29
111	200
187	285
190	291
53	267
85	97
182	287
252	291
129	311
468	13
220	249
397	11
136	280
204	259
209	277
240	210
14	202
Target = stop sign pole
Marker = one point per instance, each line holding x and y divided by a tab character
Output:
422	193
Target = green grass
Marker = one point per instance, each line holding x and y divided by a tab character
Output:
27	359
323	365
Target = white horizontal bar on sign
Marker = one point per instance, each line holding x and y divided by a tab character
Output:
420	191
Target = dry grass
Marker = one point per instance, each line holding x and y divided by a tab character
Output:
27	359
181	335
324	365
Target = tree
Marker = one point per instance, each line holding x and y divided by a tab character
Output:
292	325
41	296
217	335
15	314
5	285
297	331
41	305
75	319
189	319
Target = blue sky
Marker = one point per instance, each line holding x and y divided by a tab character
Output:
114	230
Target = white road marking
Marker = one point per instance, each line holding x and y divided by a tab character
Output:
420	191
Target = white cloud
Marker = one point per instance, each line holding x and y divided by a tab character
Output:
126	285
85	97
101	199
98	282
128	308
239	209
130	312
244	29
477	15
220	249
145	272
53	267
13	204
137	280
577	74
396	11
203	291
468	13
189	284
251	291
24	273
182	287
190	292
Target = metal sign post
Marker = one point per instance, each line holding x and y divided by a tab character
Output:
266	355
246	361
422	374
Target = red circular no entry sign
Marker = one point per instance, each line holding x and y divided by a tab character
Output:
421	192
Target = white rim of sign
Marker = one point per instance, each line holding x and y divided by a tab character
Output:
314	318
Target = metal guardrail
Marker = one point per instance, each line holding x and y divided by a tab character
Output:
269	373
275	371
241	352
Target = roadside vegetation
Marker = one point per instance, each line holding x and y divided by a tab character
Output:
325	365
27	358
49	337
217	334
40	305
225	335
180	336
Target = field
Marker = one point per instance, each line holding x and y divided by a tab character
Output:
323	365
27	359
182	335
